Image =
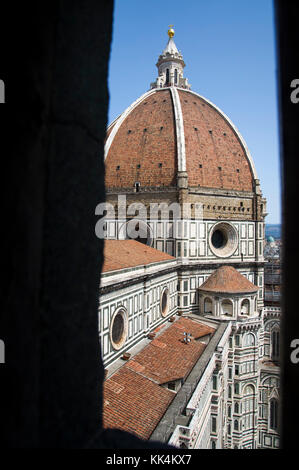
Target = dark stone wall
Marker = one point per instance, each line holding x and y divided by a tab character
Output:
56	110
287	14
54	62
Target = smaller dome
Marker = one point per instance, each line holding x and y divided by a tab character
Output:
270	239
228	280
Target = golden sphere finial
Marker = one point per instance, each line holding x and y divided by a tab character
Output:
170	32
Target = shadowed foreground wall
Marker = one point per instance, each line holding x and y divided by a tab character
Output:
56	100
55	72
287	14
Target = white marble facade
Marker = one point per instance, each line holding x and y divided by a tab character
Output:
235	402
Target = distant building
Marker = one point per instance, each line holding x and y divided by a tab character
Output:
272	270
190	349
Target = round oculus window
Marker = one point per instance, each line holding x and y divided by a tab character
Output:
164	302
223	239
219	239
118	328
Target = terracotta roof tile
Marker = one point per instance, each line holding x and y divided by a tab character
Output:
121	254
146	138
140	404
227	279
213	144
168	358
135	366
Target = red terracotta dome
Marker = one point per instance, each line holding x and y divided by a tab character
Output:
228	280
143	144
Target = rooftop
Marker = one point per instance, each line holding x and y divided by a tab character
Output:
133	397
121	254
133	403
227	279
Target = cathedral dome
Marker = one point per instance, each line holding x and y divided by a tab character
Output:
170	129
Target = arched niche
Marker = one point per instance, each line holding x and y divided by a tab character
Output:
245	307
249	390
208	305
227	308
249	340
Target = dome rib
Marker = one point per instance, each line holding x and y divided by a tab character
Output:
179	127
142	145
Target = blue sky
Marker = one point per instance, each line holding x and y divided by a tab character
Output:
229	50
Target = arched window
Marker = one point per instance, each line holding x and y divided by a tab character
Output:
245	307
275	345
249	340
227	308
236	425
249	390
175	77
167	76
273	414
248	407
207	307
236	407
214	424
214	382
213	444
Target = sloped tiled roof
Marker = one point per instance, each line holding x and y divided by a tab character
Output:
121	254
133	397
133	403
168	358
227	279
